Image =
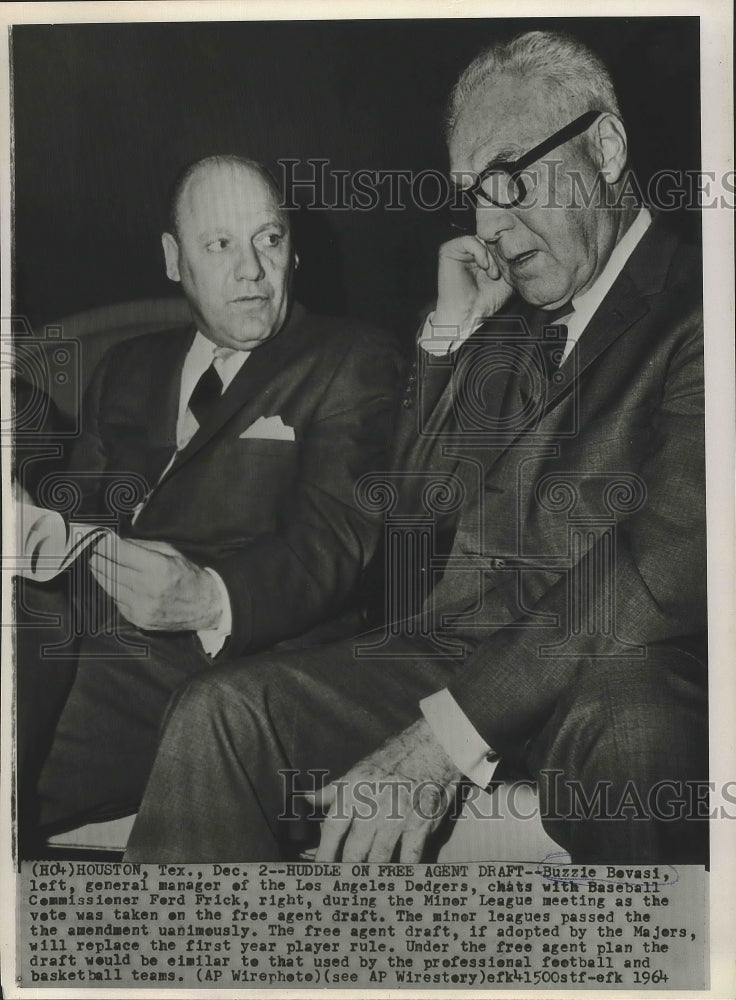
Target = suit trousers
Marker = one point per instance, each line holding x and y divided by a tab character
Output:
89	722
105	739
241	744
46	663
105	724
622	763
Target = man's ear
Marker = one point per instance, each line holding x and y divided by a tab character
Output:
611	147
171	255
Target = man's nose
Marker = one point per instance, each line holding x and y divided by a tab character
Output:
491	222
248	265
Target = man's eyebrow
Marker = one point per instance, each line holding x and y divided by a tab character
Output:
502	158
270	223
217	232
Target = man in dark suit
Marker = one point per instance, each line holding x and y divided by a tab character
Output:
565	636
232	449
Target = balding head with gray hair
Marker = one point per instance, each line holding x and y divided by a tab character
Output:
574	78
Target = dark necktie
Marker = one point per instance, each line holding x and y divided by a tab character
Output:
551	336
206	395
542	357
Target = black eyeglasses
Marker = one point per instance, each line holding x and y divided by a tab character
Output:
503	186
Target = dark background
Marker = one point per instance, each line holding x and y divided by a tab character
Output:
104	115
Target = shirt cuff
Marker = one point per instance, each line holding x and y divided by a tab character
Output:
213	639
459	738
444	340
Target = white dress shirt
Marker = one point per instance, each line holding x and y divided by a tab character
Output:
228	363
200	356
451	727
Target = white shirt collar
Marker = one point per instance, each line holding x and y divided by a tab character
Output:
199	358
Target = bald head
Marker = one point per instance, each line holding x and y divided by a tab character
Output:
208	163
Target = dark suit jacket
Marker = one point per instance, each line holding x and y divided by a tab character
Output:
275	518
605	478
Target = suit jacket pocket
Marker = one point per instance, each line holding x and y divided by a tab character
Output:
261	470
277	448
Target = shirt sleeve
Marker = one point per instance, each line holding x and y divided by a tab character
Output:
213	639
439	340
462	743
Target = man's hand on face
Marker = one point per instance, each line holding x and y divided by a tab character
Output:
154	586
399	792
469	284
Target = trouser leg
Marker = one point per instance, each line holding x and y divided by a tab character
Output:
620	761
105	739
43	679
239	744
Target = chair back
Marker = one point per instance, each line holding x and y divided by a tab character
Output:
67	352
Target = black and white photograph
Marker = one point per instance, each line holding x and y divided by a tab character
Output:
368	470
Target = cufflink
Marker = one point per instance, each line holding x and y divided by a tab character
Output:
492	757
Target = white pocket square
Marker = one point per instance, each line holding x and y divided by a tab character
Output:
271	428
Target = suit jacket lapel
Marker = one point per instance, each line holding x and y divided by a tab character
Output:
440	421
160	406
625	304
621	308
643	274
486	450
159	400
246	389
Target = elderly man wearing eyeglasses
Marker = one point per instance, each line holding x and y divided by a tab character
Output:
559	399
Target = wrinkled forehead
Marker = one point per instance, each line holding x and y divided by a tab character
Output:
502	119
220	191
